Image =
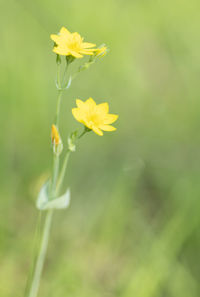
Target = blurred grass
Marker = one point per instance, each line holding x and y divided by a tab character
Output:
133	226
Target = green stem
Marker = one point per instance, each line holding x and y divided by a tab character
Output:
86	129
62	173
64	167
41	257
65	163
83	133
47	225
60	86
58	82
60	92
39	262
36	248
64	74
56	162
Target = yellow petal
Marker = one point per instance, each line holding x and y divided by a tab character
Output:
80	103
75	54
103	108
84	107
91	104
55	38
77	114
107	128
64	31
76	36
110	118
61	51
101	51
86	52
97	131
88	45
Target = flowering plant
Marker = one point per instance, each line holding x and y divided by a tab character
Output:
94	117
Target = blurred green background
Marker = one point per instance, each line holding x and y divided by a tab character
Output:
132	229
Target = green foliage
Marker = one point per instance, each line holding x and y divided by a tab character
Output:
44	202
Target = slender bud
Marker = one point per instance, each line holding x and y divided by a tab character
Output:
56	140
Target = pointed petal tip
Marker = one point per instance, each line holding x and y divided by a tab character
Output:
78	101
90	100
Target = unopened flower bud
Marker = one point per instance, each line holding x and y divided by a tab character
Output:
56	140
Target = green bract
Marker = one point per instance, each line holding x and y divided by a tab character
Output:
44	202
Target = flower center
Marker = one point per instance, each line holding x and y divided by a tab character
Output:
94	120
74	43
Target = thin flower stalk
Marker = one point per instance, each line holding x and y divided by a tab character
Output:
41	257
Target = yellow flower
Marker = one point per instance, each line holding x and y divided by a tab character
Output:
94	116
55	137
71	44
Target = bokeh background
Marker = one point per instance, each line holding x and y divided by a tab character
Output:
133	225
